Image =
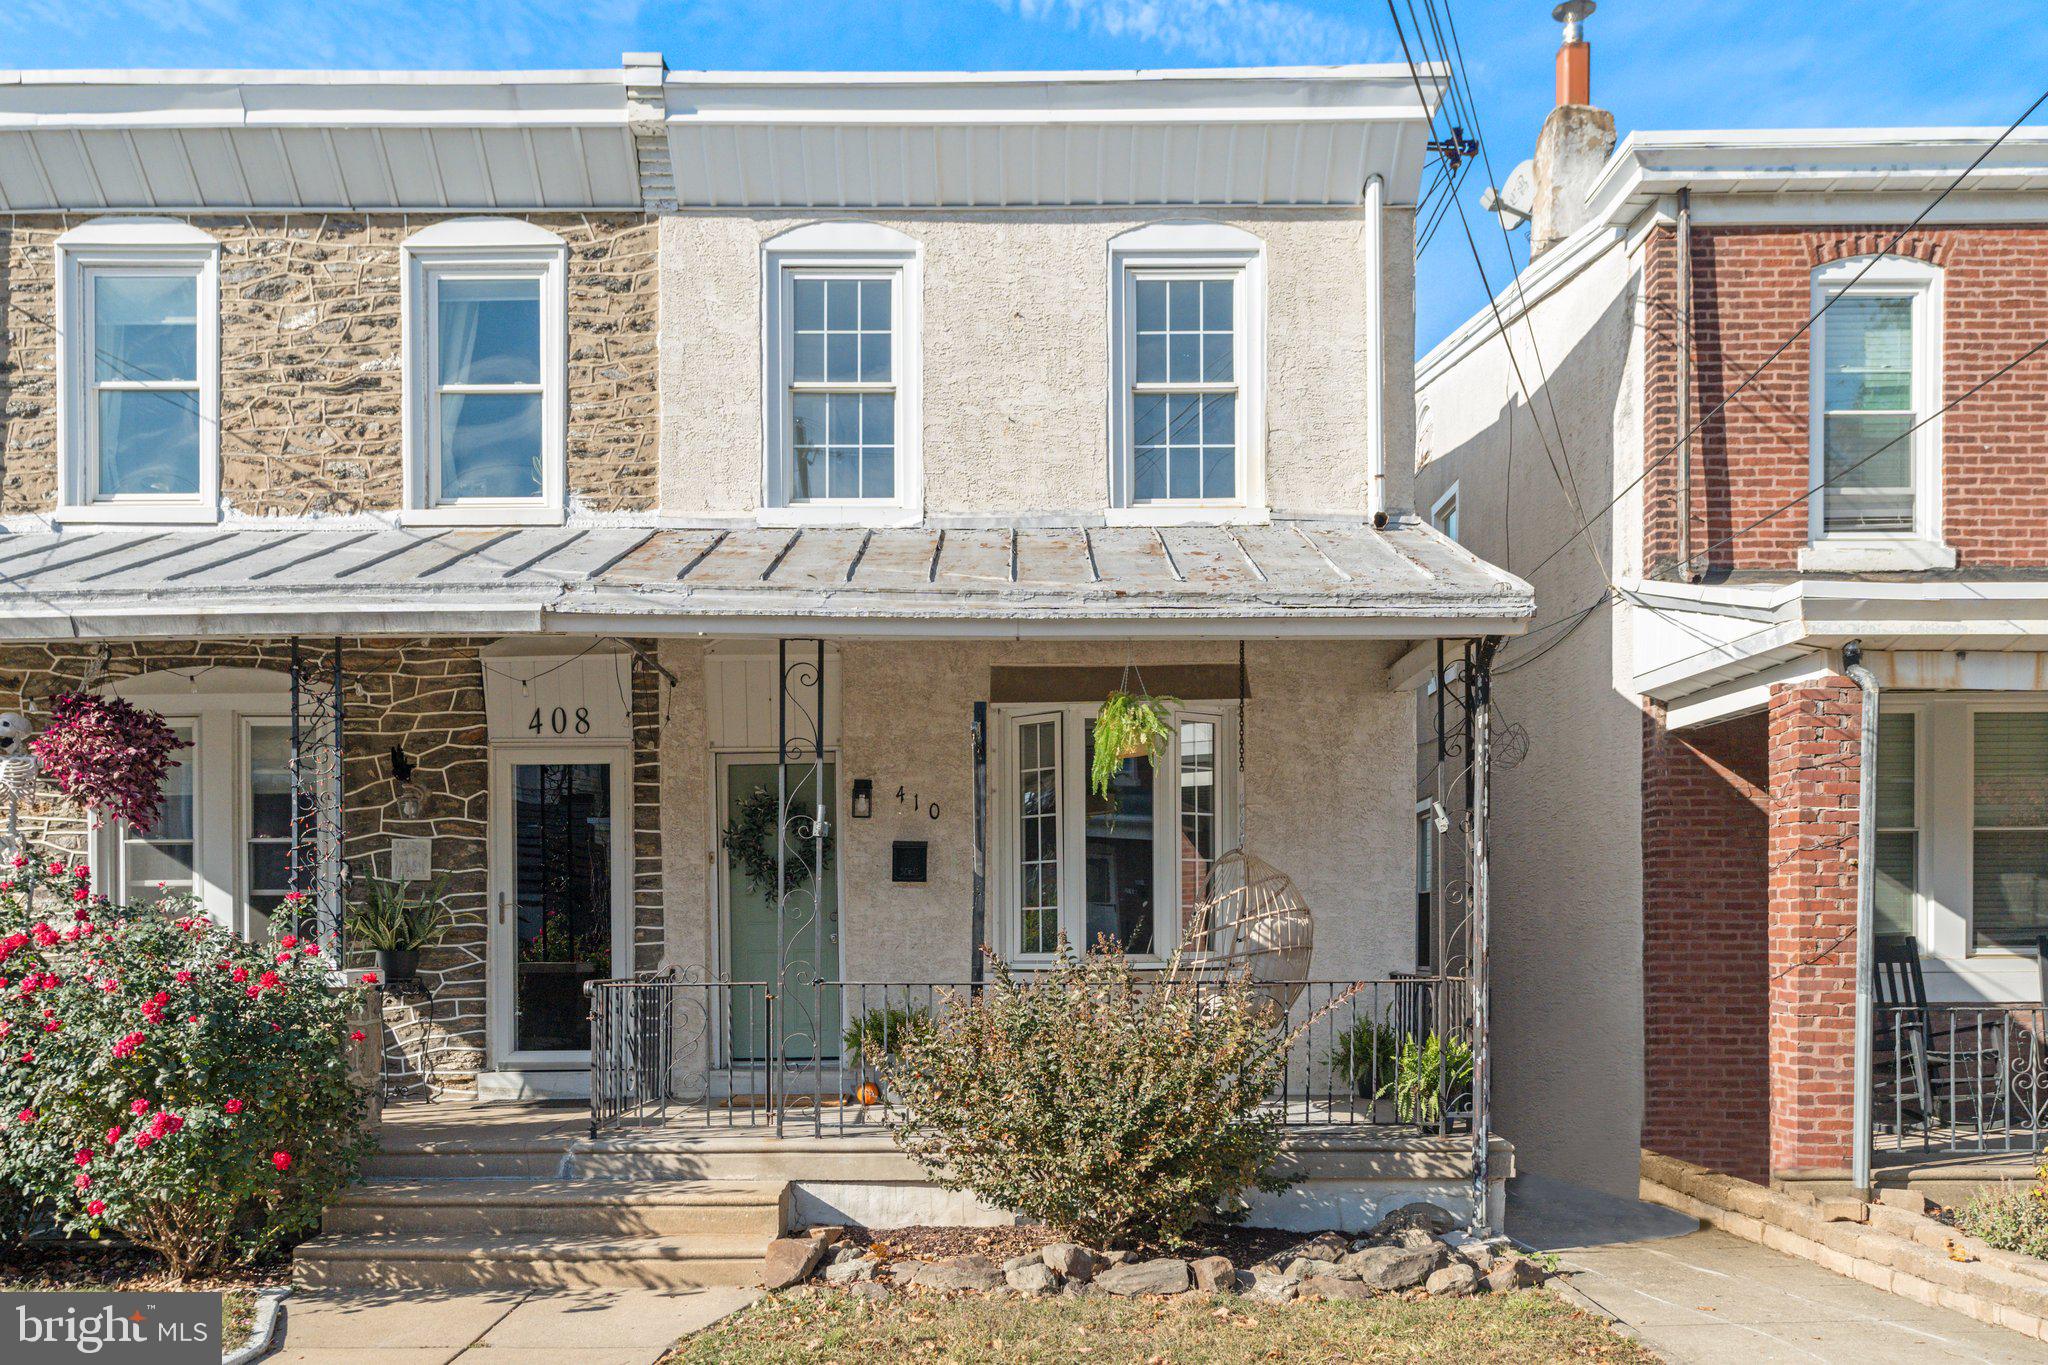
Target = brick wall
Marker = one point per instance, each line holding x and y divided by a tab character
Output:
1751	290
1706	1082
1815	733
311	374
425	696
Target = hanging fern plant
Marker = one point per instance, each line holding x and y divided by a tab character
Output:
1129	725
750	844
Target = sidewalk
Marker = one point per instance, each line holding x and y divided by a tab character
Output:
1701	1297
501	1327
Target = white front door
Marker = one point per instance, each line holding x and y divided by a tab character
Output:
561	848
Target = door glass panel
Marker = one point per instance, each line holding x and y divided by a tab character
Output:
1119	857
1038	834
267	869
808	1016
562	851
1197	813
161	862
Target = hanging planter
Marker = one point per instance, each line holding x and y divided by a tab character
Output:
108	755
1129	725
750	844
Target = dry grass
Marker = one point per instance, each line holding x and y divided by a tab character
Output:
1193	1329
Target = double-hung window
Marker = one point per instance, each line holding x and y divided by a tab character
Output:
485	412
1187	373
841	369
2009	830
139	398
1876	468
1130	866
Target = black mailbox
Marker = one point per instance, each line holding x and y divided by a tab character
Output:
907	860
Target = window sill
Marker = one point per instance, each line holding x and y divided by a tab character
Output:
1875	554
535	515
879	515
139	514
1191	514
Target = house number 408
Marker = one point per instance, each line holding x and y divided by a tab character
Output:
560	721
905	797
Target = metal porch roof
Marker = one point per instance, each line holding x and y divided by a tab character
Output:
1324	577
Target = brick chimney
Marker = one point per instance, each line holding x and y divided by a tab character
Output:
1575	140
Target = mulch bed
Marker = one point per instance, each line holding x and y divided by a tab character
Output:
88	1265
1244	1246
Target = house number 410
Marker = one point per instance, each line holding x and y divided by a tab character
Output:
911	799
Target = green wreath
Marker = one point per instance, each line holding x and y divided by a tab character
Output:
750	845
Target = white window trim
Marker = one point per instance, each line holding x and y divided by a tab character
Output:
134	244
483	245
1074	720
855	248
1922	547
1436	510
1209	248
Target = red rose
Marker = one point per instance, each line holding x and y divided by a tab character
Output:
96	1207
233	1106
281	1160
357	1036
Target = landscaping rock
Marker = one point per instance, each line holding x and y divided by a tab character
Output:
1018	1262
851	1271
1480	1255
790	1260
1324	1246
1214	1274
1165	1275
1118	1257
1391	1268
828	1234
1272	1286
1330	1288
1032	1277
1431	1218
959	1272
1068	1261
1455	1281
1304	1270
845	1251
1513	1272
867	1289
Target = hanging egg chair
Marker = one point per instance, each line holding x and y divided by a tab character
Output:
1253	923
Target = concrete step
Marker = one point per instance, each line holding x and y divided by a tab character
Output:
502	1206
402	1262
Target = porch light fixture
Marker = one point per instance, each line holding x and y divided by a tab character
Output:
863	797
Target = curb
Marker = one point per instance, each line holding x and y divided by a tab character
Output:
1561	1285
261	1328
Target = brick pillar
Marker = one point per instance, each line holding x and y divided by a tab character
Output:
1816	730
1706	1010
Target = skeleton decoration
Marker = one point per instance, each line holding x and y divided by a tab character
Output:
18	772
1254	922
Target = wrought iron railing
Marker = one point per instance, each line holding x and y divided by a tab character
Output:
1383	1053
1958	1079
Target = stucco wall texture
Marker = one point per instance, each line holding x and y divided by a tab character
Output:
1015	345
1328	787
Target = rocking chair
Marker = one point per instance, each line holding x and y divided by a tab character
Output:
1931	1074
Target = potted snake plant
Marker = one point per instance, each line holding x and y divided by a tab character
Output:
395	922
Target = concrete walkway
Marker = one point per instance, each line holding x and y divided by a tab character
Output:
497	1327
1698	1296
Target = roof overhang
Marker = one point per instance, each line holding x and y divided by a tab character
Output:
1281	136
1325	579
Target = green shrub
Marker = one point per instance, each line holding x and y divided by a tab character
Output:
1364	1055
1428	1073
164	1079
879	1034
1115	1106
2011	1217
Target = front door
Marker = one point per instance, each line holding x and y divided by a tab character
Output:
806	1014
562	837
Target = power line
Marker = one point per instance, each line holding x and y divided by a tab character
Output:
1684	441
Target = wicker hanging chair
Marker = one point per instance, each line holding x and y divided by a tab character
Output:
1253	922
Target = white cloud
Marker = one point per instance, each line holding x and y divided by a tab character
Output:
1243	31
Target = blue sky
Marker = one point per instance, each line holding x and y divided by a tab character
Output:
1656	63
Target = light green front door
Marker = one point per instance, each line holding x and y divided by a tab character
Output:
805	1015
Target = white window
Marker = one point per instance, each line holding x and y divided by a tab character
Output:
1898	823
1187	359
1131	866
225	832
2008	830
1876	452
1443	514
840	372
138	410
485	415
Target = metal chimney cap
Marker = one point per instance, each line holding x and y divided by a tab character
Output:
1571	14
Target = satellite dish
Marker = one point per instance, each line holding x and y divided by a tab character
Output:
1512	202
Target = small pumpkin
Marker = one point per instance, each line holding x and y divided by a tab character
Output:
869	1093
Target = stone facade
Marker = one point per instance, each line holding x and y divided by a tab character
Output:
426	697
311	371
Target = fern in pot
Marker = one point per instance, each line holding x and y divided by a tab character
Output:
1129	725
395	922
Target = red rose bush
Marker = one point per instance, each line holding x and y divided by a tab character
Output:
165	1080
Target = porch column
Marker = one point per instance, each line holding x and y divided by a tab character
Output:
1816	731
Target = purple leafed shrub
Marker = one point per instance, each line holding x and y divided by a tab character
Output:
108	755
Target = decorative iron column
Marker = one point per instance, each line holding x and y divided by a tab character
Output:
801	828
315	853
1479	696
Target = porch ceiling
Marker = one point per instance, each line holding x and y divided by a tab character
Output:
1329	577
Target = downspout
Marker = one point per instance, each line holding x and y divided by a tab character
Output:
1375	346
1866	914
1684	385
